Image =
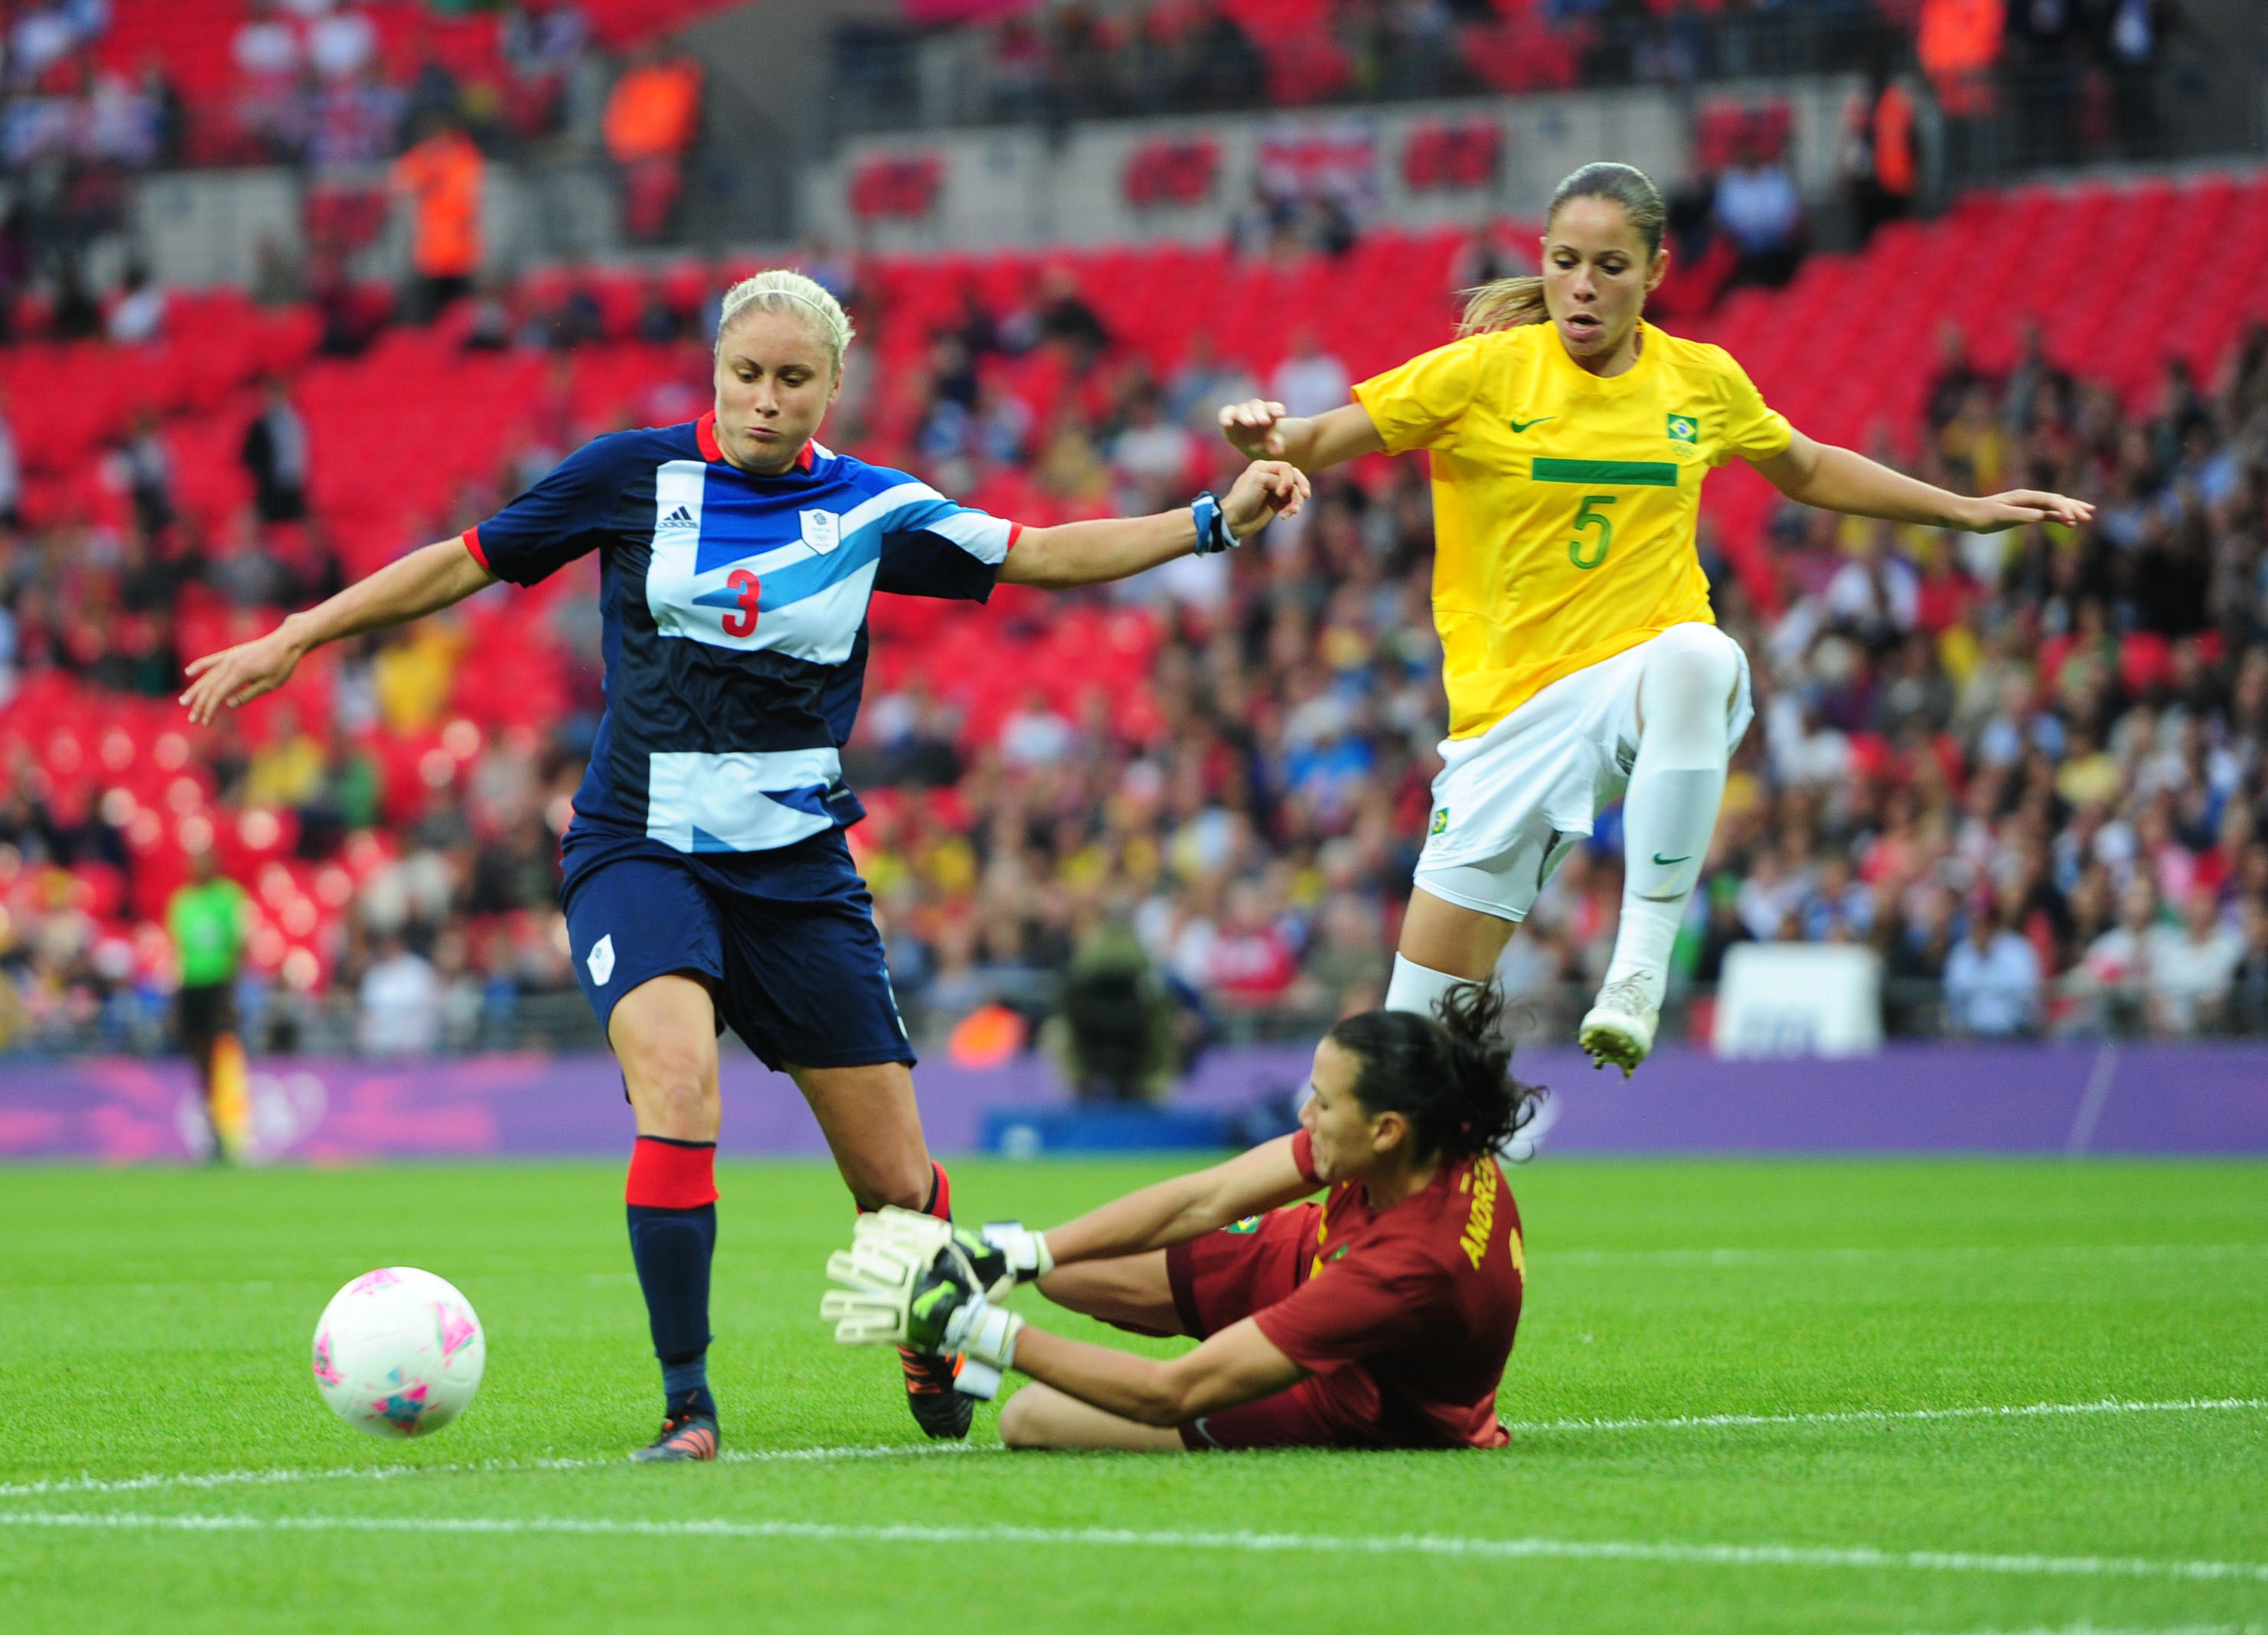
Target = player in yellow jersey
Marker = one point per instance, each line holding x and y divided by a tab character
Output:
1569	440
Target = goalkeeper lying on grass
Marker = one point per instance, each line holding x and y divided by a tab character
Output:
1380	1317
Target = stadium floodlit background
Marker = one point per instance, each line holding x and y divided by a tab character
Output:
288	288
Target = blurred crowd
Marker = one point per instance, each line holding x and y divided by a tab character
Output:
375	104
1077	60
2025	768
321	81
311	84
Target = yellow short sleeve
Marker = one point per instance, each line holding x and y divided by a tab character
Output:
1414	406
1753	429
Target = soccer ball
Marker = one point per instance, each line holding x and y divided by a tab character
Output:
398	1352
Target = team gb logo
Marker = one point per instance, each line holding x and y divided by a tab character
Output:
822	530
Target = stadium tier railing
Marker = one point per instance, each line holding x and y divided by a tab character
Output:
2195	94
2047	117
892	78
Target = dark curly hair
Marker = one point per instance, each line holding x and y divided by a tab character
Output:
1449	1075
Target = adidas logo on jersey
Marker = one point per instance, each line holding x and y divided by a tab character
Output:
682	518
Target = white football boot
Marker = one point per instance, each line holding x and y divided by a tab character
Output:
1619	1030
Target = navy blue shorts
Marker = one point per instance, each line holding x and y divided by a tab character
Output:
787	938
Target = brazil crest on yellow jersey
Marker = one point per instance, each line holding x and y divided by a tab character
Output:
1564	504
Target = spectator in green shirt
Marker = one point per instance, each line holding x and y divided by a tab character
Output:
209	924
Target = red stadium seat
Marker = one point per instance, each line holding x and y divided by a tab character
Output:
1525	54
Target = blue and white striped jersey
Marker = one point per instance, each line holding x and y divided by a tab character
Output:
735	620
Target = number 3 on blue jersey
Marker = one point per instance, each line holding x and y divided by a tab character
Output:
751	591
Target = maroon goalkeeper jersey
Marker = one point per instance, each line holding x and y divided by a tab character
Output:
1407	1315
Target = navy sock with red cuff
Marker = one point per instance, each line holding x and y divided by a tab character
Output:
671	1205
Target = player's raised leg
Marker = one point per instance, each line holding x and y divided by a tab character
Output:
1460	919
873	1126
1444	945
664	1033
1686	697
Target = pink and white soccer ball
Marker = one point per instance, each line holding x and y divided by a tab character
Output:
398	1352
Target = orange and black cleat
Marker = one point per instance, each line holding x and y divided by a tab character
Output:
940	1410
683	1436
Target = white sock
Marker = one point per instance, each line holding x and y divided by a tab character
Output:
1417	988
1669	818
1643	941
1669	813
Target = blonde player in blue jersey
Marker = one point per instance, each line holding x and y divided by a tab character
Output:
706	879
1569	440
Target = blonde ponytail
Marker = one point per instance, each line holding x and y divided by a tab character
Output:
781	291
1505	304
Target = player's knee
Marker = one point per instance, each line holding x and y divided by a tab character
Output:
1703	671
1688	694
673	1087
1022	1419
682	1112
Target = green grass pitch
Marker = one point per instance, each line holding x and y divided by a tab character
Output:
1725	1396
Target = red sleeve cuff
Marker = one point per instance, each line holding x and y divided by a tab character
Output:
472	537
1015	532
1303	1154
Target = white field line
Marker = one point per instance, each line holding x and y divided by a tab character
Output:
829	1455
486	1467
1862	1557
2137	1252
1895	1415
2100	1629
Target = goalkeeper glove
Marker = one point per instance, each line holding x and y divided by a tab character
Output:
984	1335
1005	1253
909	1281
904	1277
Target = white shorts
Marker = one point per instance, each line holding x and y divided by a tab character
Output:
1508	805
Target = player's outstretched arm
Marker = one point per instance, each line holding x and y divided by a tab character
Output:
1185	1207
1838	479
1116	548
1004	1253
905	1281
1260	430
1237	1365
424	581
